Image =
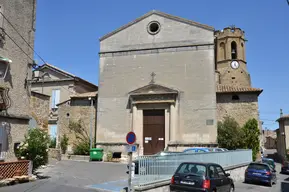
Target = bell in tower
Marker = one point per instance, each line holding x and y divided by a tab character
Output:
230	54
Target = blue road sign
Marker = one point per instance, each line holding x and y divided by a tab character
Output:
131	148
130	138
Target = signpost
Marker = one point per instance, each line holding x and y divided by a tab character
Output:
130	139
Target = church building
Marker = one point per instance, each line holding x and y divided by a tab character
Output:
170	80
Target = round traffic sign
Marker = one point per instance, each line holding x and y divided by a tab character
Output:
130	137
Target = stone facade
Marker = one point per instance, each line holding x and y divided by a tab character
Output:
282	136
242	110
22	15
39	104
235	95
198	76
49	79
77	108
181	55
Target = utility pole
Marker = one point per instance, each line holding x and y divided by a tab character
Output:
91	119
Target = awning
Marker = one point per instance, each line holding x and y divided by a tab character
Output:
5	59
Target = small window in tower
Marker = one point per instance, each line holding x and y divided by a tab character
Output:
241	71
233	77
242	44
228	71
234	50
235	97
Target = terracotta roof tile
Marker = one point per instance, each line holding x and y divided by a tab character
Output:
234	89
84	95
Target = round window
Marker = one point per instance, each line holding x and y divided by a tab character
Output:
154	27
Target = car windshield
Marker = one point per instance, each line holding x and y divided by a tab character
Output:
270	162
258	166
192	169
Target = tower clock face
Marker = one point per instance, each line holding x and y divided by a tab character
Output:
235	64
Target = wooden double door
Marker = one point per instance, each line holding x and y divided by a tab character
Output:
153	131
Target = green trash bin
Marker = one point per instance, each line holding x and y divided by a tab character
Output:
96	154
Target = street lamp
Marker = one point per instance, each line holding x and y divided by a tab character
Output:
4	66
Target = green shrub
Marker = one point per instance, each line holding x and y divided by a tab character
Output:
64	143
81	148
35	147
230	134
109	156
52	143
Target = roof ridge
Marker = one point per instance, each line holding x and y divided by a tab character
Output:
63	71
163	14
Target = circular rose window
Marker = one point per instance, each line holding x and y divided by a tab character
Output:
154	27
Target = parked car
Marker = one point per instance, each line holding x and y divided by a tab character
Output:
218	149
260	172
269	162
148	164
197	150
285	167
197	177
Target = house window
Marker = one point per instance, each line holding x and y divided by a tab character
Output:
55	98
53	131
235	97
234	50
3	139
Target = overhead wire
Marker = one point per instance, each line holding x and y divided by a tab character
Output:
22	37
29	46
38	55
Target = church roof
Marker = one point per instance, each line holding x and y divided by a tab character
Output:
172	17
236	89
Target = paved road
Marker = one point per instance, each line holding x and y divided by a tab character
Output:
240	186
73	177
77	176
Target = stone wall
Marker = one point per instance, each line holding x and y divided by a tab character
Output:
18	129
72	111
242	110
22	15
39	104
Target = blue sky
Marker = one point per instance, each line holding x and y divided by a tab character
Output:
68	31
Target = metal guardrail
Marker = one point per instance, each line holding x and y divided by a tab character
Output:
153	169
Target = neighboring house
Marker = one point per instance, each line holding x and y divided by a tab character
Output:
78	107
269	139
270	143
14	82
59	85
283	135
39	104
171	83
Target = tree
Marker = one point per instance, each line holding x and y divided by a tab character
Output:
82	146
230	135
251	136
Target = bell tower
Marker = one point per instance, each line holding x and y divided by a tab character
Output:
231	65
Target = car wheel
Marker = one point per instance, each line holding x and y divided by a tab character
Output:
270	183
232	189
